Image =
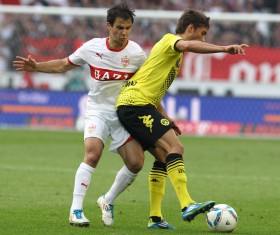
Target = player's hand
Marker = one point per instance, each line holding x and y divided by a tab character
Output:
25	64
237	49
176	128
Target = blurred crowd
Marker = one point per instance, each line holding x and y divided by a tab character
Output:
49	37
207	5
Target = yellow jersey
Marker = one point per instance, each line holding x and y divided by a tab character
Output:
151	82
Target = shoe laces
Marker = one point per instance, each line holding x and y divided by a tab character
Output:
78	213
163	223
192	206
108	207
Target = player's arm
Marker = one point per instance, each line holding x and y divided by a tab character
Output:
175	127
205	48
29	64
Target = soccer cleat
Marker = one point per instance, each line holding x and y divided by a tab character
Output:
159	225
78	218
196	208
107	211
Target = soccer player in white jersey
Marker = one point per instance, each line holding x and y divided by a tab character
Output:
112	61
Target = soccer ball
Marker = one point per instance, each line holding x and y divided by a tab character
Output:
222	218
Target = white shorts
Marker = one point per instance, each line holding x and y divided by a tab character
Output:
102	125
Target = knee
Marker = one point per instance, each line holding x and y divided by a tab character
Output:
179	148
92	158
135	166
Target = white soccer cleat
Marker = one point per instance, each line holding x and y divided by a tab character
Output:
78	218
107	211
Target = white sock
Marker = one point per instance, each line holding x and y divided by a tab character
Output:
82	182
123	179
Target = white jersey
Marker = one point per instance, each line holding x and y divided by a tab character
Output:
109	69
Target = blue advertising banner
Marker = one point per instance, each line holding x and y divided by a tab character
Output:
195	115
38	108
241	110
224	115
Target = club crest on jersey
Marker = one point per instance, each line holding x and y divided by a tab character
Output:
164	122
125	61
91	128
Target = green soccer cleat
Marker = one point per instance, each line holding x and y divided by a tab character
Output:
196	208
159	225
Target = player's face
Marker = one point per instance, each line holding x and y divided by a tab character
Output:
119	32
199	34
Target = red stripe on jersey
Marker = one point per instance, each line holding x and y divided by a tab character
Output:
128	139
101	74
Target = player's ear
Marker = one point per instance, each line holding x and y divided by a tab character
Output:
190	28
109	26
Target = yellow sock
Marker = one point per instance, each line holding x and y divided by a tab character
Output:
176	172
157	181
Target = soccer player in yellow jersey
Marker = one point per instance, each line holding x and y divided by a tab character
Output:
139	109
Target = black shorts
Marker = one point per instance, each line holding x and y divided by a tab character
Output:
144	123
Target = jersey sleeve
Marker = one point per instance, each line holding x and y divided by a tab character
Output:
170	42
79	56
142	58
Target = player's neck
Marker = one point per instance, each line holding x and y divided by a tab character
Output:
114	45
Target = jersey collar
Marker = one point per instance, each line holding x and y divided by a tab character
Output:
111	49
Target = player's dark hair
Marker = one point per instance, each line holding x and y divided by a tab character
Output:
197	18
121	10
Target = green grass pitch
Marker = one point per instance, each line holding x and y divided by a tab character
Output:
37	171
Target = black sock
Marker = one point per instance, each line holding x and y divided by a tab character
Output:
155	219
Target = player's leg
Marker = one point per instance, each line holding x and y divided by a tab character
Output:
157	182
95	136
176	172
175	166
133	157
93	151
151	128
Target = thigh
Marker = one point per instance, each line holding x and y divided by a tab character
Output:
170	143
158	153
133	155
165	145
